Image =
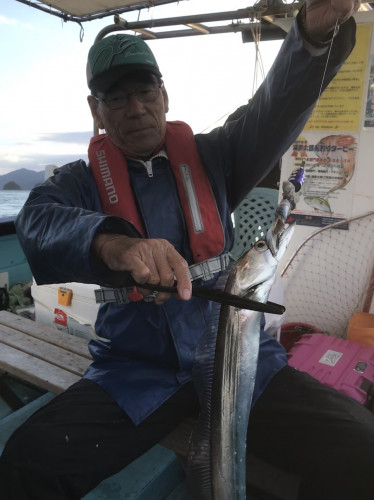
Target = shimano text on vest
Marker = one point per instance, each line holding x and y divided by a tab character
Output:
106	176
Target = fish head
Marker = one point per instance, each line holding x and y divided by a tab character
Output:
254	273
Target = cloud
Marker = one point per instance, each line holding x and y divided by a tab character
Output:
10	21
38	150
67	137
38	162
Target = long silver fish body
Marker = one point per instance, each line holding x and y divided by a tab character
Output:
217	454
236	355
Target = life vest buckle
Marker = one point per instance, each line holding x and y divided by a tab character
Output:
134	295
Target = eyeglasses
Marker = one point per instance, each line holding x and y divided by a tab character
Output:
143	93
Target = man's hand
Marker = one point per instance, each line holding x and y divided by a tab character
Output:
321	16
152	261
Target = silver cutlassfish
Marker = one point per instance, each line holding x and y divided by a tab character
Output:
226	364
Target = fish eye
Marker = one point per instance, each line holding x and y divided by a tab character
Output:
261	246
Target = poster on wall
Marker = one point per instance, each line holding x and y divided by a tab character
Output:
369	109
327	147
329	163
339	107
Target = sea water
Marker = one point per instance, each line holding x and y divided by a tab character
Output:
11	202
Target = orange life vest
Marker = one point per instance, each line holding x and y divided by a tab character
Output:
109	166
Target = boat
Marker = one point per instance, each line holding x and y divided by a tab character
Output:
158	474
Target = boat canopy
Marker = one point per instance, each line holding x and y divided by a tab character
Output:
270	18
89	10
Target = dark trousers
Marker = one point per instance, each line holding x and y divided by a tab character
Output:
298	425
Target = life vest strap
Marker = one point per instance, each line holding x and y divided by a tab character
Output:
202	270
208	268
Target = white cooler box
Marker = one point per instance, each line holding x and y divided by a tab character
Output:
69	307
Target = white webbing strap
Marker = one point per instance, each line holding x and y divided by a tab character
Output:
203	270
107	294
207	269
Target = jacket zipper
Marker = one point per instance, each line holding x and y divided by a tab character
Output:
148	166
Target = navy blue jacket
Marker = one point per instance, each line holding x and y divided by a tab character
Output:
150	349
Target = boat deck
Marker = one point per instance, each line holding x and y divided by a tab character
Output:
38	361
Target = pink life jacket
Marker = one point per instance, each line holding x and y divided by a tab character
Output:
109	167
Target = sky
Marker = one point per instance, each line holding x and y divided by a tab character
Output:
44	116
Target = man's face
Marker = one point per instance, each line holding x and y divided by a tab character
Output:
138	127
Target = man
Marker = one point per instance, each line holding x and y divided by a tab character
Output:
154	202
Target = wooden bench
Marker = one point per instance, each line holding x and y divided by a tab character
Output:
41	355
53	360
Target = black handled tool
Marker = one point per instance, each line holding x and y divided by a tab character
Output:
220	296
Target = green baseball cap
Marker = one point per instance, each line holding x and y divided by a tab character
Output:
115	56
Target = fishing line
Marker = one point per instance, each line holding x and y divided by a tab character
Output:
256	32
315	110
